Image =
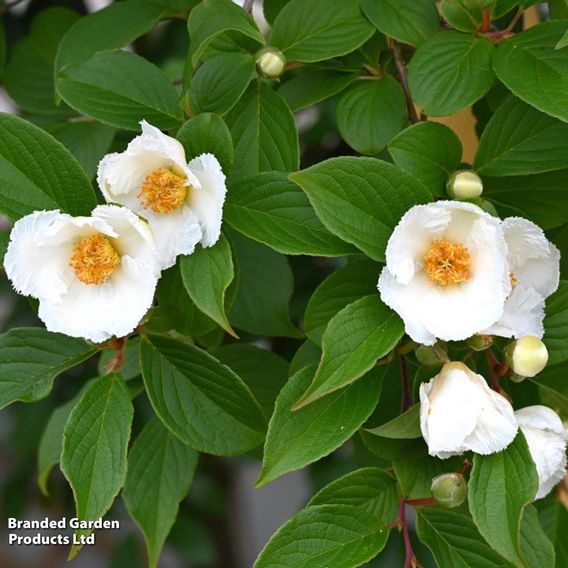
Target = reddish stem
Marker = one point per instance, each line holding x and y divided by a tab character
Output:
403	78
429	502
494	366
410	558
466	465
486	21
116	362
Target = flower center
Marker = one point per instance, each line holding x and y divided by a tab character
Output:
94	259
447	262
163	191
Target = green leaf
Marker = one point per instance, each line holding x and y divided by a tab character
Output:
265	279
272	8
370	113
338	29
31	358
465	15
106	29
429	151
296	439
121	89
264	133
200	400
87	141
214	17
274	211
220	82
361	192
454	540
539	197
450	72
309	87
554	516
307	354
409	21
2	49
371	489
322	536
500	487
160	472
95	443
28	76
264	372
406	426
556	325
339	289
37	172
519	139
206	274
562	42
207	133
536	547
355	338
558	9
4	241
534	70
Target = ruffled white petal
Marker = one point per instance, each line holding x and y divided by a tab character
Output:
459	412
546	438
207	200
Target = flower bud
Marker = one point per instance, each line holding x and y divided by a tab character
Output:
449	489
527	356
464	184
480	342
270	62
434	356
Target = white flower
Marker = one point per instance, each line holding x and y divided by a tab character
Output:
459	412
534	267
446	271
546	437
183	202
94	276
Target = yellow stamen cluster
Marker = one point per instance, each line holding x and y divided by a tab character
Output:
163	191
94	259
513	280
447	262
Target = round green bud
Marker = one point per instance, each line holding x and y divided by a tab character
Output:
270	62
527	356
480	342
432	356
449	489
464	184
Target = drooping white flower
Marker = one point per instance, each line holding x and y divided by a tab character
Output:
94	276
546	438
534	267
446	271
459	412
183	202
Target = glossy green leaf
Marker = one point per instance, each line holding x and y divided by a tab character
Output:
200	400
556	325
121	89
519	139
562	42
206	274
450	71
220	82
500	487
274	211
465	15
534	70
536	547
409	21
95	443
406	426
320	29
298	438
264	133
160	472
31	358
354	340
429	151
370	113
214	17
207	133
36	172
363	192
339	289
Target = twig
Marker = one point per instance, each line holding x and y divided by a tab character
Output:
406	392
116	362
494	368
9	6
429	502
403	76
248	5
515	19
411	560
486	21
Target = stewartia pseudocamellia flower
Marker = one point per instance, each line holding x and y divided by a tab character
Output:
546	437
459	412
446	271
94	276
183	202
